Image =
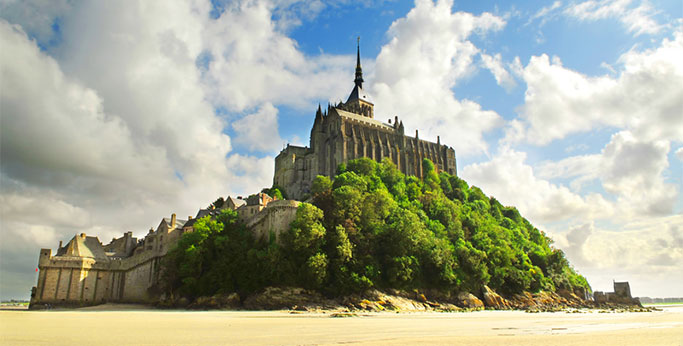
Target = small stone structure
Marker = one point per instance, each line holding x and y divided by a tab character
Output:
621	295
86	272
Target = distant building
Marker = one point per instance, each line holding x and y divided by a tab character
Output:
621	294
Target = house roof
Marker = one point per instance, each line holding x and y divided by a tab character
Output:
83	246
178	223
237	202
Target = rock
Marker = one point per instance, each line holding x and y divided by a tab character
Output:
182	302
217	301
403	304
276	298
493	299
572	298
468	300
523	301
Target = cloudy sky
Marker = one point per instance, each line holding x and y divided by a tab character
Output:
115	114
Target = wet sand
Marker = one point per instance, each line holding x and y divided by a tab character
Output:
112	325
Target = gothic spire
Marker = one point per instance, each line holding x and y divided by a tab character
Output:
359	70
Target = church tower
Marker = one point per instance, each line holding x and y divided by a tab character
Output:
359	101
349	130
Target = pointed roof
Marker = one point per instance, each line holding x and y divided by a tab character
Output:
358	93
359	70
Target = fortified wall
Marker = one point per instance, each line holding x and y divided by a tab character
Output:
86	272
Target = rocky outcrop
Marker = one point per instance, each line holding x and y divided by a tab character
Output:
468	300
294	298
299	299
218	301
493	299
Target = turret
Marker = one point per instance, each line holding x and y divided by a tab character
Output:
318	116
317	127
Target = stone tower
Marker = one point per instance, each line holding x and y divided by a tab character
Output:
349	131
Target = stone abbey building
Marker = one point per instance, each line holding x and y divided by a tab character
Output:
349	131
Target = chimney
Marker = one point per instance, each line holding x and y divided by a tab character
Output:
416	136
172	220
189	218
438	140
83	235
60	244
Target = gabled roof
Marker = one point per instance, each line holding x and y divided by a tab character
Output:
178	223
237	202
83	246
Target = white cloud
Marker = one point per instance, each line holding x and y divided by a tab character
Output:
37	17
679	153
427	54
250	174
627	168
250	63
638	20
545	13
513	182
259	131
646	98
495	65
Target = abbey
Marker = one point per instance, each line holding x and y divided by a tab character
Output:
349	131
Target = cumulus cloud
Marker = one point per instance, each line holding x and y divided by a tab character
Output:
630	169
259	131
427	54
495	65
646	98
514	182
638	20
645	252
679	153
250	174
38	17
248	62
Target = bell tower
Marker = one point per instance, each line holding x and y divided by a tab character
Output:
359	101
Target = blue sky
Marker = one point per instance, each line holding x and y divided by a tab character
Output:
118	114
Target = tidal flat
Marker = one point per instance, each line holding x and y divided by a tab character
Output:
131	325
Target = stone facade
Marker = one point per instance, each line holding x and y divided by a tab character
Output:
275	218
349	131
86	272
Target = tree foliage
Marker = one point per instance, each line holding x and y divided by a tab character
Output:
372	226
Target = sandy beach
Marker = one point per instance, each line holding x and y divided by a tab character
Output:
118	325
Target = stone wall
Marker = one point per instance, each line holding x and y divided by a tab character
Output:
276	218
